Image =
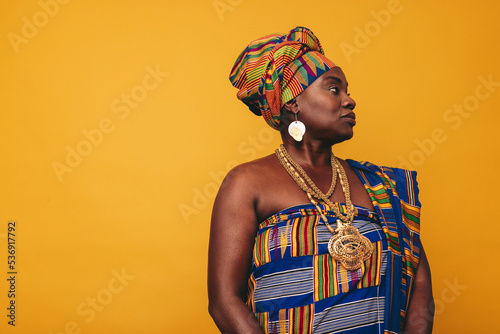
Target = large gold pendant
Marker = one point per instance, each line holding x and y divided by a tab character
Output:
350	247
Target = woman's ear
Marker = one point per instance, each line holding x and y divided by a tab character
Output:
291	106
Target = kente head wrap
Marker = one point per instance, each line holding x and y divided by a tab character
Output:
274	69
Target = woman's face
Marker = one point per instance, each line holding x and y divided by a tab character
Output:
326	108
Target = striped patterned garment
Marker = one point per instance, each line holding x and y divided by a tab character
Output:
296	286
274	69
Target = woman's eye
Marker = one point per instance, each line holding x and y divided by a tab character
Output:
334	89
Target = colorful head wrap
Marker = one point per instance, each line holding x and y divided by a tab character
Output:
274	69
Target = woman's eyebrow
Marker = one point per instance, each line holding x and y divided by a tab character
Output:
336	79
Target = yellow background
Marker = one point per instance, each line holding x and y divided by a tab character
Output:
139	203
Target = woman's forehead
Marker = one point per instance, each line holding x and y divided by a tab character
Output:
334	75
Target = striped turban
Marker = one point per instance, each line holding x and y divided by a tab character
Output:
274	69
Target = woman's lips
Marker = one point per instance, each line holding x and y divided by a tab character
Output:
350	118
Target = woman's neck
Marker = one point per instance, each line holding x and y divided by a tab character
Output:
312	154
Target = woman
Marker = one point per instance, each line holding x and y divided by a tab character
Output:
302	241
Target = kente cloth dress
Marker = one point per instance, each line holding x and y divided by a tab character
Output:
297	287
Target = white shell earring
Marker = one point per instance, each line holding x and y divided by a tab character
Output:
296	129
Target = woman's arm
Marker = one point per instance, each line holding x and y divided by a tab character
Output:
232	234
420	314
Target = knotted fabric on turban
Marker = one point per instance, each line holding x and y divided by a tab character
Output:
274	69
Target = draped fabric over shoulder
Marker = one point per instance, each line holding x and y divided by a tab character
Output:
297	287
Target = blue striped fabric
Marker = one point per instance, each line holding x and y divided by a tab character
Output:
288	282
295	285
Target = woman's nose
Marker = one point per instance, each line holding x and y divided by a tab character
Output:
349	102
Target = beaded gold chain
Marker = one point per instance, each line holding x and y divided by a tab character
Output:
346	245
317	192
299	175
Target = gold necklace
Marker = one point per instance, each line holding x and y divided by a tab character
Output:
346	245
317	192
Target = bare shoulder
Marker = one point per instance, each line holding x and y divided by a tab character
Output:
249	175
239	194
243	184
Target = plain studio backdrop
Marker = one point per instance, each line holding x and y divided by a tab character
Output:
118	123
